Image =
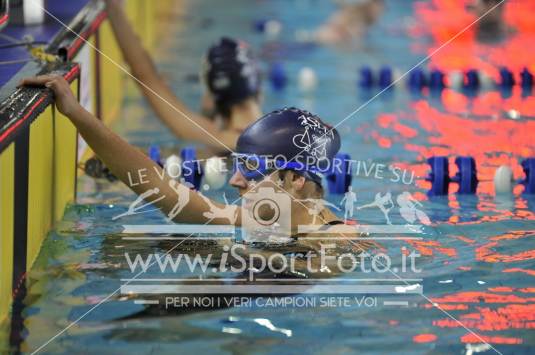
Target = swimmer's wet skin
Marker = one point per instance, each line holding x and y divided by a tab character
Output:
231	77
282	134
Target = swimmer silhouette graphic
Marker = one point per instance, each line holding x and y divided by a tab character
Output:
406	202
318	205
230	212
382	202
350	198
135	206
182	192
407	209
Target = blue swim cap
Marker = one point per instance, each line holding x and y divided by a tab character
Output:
293	135
230	72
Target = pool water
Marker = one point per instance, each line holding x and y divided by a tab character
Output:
478	259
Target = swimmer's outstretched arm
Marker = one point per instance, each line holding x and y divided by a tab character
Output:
170	109
124	160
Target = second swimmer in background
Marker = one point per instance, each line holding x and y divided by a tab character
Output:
491	26
349	24
232	88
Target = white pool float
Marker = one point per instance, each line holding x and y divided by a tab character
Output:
503	180
215	172
307	79
173	166
456	79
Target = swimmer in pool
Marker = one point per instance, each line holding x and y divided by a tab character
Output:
491	27
350	23
230	75
272	135
267	156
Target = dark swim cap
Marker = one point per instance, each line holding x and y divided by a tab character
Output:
295	135
230	72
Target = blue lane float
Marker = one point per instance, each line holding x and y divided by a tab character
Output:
192	172
467	180
417	79
339	180
436	80
466	176
507	78
155	154
526	78
469	81
277	76
385	77
472	81
439	176
528	165
366	80
260	25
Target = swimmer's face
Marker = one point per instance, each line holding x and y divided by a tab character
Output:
244	186
292	185
239	181
247	191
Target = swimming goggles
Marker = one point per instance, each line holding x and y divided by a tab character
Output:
255	167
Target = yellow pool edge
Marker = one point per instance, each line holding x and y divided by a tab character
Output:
53	153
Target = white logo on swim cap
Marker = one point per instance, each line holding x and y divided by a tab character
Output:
221	82
241	55
315	137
